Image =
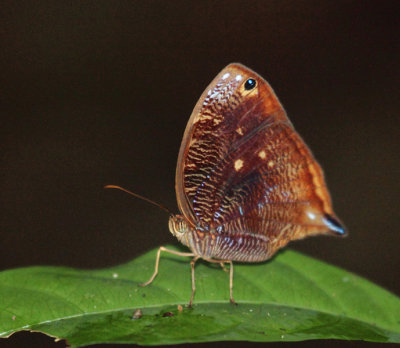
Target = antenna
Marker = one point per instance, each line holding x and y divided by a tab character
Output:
139	196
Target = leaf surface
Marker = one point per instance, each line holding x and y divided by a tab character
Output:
290	298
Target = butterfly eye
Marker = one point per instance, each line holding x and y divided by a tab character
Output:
250	84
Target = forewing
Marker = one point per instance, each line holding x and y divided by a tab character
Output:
242	167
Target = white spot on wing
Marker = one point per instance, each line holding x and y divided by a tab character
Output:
311	215
238	164
239	131
225	76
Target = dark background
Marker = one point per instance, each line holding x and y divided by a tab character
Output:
99	92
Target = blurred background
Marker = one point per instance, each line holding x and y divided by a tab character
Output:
99	92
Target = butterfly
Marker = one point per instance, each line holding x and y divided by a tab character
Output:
246	183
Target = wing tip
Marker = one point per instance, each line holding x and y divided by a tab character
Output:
336	228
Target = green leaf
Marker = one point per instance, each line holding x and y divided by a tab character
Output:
290	298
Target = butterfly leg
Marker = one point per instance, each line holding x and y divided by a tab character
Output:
231	283
192	263
230	275
158	261
223	267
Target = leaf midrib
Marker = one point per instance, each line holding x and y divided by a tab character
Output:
160	306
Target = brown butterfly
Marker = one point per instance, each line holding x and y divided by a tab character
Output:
246	183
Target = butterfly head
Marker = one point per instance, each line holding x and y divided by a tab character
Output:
178	226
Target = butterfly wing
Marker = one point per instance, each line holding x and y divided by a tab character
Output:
242	166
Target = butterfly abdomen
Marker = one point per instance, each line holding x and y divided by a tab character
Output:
239	246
